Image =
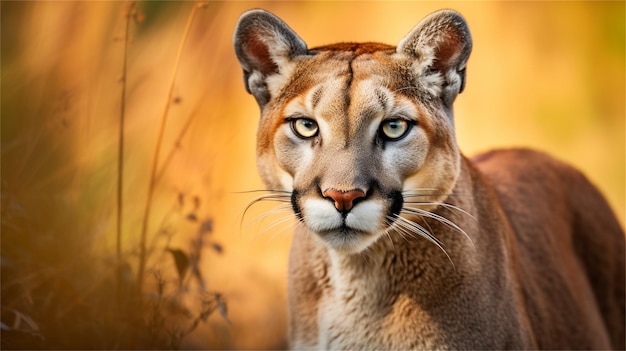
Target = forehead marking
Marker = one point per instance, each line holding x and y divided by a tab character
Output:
315	97
383	99
347	101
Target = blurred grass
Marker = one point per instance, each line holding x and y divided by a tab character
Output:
548	75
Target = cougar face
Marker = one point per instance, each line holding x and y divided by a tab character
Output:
352	130
350	146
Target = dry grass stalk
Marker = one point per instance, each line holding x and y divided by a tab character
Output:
155	161
131	8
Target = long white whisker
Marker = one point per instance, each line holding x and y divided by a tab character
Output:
414	191
291	227
402	229
442	204
430	229
277	209
405	233
444	220
269	197
280	209
289	219
264	191
389	224
409	194
421	231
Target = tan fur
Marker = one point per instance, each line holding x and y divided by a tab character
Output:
508	250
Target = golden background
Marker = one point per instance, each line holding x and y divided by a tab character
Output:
544	75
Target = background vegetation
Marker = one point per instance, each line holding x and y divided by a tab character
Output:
543	75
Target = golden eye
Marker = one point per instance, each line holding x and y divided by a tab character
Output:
304	127
394	129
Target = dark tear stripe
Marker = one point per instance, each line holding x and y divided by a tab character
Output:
294	204
397	201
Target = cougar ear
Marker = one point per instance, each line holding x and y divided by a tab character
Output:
441	43
265	46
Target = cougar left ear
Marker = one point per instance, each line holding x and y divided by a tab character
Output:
441	42
265	46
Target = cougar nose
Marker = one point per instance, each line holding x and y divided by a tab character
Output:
343	199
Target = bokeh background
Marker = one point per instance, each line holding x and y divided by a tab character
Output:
546	75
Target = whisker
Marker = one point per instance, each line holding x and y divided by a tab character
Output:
286	219
442	204
292	227
410	231
413	227
419	189
432	194
276	210
441	219
421	230
263	191
419	192
430	229
269	197
404	230
389	225
284	210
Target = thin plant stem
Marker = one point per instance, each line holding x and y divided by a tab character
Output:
155	161
179	139
120	156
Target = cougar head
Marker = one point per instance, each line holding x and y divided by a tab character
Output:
356	131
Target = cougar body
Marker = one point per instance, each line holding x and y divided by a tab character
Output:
402	242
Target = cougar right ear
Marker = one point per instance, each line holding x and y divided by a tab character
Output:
265	46
442	43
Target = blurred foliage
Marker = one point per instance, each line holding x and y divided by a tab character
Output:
547	75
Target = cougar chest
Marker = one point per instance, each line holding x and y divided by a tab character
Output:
349	309
363	307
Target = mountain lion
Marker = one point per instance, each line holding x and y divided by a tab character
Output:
401	241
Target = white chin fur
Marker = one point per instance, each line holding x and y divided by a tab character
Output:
362	226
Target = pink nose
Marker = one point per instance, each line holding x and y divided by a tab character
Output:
343	199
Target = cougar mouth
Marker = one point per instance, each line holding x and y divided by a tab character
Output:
343	231
352	230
